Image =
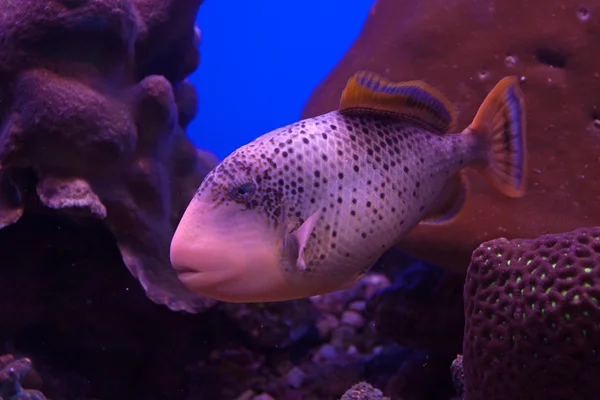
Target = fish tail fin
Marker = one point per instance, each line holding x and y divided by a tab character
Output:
500	123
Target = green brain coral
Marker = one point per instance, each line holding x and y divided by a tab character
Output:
533	319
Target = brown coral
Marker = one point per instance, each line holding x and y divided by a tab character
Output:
91	127
463	48
532	309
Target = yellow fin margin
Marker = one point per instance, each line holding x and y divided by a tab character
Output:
369	93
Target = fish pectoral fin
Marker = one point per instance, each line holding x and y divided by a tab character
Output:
452	201
416	101
297	239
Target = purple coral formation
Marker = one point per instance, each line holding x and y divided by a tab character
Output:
532	311
363	391
15	377
92	118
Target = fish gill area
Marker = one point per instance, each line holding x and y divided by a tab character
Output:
96	170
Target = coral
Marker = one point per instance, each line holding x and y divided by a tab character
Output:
92	115
458	376
423	309
552	45
363	391
532	311
13	375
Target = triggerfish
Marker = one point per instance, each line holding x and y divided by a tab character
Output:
308	208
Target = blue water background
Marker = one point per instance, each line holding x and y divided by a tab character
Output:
260	61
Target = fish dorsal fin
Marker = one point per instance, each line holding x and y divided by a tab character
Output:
452	201
369	93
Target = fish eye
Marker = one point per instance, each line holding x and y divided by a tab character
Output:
243	192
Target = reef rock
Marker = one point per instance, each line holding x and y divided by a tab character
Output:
463	48
532	309
363	391
93	108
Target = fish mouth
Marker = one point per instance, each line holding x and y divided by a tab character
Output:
183	272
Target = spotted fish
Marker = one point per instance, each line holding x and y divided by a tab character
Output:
308	208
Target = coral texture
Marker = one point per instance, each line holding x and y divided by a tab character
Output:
458	376
92	118
463	48
532	310
363	391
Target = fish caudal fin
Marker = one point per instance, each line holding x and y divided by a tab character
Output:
500	121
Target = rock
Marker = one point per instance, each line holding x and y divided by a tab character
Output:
275	325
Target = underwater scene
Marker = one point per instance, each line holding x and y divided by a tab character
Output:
365	200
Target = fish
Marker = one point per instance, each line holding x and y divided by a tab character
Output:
309	208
